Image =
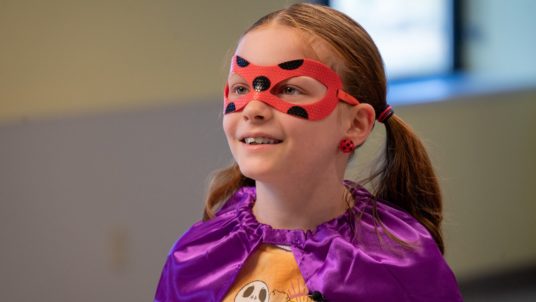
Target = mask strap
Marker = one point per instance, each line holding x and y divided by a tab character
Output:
346	97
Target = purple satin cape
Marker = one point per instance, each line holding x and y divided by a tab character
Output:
348	258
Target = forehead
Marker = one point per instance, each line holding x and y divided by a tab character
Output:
273	44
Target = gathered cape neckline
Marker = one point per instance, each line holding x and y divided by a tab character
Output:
347	258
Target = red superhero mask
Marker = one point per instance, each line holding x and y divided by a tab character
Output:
263	78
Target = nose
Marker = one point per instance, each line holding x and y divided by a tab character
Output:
257	111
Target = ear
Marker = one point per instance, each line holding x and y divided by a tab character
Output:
361	122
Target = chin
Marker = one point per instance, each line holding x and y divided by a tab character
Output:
252	173
258	172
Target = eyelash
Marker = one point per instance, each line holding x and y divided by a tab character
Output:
235	89
288	90
295	91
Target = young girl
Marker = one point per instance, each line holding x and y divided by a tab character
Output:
305	88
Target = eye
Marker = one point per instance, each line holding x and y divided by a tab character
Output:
239	89
290	90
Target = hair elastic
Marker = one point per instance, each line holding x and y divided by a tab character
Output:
386	114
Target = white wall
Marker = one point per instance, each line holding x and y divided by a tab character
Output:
499	38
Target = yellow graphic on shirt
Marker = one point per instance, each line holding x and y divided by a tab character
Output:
270	274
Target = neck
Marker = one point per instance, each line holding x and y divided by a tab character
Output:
302	205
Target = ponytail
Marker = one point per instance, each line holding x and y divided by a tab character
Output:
405	177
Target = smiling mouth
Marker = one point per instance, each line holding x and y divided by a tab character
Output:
260	141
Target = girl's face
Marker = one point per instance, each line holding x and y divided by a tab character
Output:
267	144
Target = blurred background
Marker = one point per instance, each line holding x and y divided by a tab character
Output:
110	116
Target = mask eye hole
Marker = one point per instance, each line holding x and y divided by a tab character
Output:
240	89
290	90
299	90
237	86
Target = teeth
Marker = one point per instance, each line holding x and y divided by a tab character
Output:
259	140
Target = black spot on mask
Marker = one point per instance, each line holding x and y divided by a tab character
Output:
230	108
291	64
298	111
261	83
241	62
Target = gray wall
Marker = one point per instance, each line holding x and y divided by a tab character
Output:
483	148
90	206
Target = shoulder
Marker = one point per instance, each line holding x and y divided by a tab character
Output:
225	222
242	197
215	248
405	250
380	222
384	230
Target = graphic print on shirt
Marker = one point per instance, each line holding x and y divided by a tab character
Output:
270	274
258	291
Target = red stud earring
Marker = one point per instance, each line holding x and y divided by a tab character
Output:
346	146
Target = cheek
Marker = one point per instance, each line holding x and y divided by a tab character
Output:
229	128
228	125
322	130
323	136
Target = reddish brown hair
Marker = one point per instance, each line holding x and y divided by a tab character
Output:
404	176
